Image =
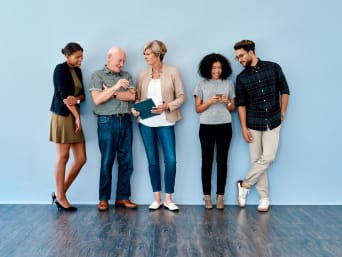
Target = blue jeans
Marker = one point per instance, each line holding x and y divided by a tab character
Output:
115	137
166	137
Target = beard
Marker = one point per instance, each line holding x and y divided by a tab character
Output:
248	62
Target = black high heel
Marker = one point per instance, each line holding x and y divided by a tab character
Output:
60	207
53	196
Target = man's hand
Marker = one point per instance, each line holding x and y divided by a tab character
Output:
127	95
122	83
135	112
247	136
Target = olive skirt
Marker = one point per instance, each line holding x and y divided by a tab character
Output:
62	130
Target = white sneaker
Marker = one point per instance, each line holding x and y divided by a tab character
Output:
171	206
264	205
242	194
155	205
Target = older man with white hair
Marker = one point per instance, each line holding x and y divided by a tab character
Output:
113	93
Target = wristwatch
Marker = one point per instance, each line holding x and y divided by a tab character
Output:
78	101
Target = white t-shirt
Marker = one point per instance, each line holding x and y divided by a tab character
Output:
154	92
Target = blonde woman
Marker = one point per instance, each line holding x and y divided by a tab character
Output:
164	85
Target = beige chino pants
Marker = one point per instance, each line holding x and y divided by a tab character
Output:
262	150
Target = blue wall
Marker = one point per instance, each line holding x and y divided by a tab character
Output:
304	38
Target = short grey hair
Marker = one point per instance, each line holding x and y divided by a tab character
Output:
115	49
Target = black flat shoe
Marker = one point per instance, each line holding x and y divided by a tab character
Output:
62	208
53	196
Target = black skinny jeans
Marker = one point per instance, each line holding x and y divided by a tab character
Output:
221	135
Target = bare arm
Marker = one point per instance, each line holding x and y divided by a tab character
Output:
231	106
107	93
74	112
246	134
230	103
283	105
128	95
201	107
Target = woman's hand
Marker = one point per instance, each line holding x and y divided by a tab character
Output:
78	126
160	108
224	99
70	100
214	99
230	103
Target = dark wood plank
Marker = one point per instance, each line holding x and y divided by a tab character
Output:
40	230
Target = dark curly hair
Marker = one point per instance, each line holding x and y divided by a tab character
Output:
206	64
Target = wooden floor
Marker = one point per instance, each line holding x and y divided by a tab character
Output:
293	231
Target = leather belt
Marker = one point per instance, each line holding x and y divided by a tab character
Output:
120	115
117	115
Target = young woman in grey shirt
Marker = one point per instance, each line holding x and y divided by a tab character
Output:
214	97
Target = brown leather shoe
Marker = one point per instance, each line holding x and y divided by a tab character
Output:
126	204
103	205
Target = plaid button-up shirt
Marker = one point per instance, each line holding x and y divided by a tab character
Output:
259	88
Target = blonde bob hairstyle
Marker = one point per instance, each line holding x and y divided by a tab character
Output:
157	47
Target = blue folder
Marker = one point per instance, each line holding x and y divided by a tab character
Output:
145	107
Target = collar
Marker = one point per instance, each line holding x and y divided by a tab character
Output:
259	63
108	71
161	72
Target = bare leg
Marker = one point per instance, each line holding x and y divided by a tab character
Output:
168	198
79	160
62	158
157	197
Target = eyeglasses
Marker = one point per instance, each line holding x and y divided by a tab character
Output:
238	57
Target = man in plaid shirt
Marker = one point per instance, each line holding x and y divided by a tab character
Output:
261	98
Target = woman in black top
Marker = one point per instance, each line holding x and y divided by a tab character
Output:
66	129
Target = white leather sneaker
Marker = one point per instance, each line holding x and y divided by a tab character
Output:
155	205
171	206
264	205
242	194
